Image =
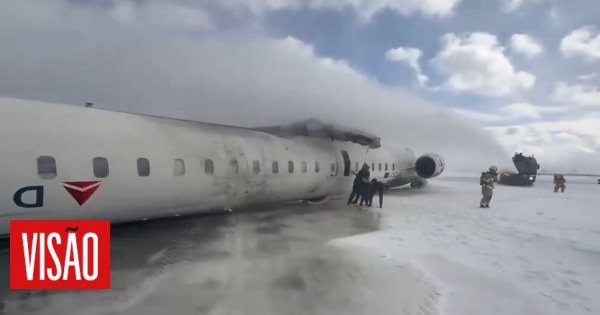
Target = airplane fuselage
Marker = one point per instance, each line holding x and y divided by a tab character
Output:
67	162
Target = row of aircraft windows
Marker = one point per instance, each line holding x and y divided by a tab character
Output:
46	166
380	168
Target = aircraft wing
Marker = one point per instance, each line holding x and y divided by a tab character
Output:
318	129
308	128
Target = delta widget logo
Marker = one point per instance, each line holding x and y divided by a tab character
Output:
33	196
82	191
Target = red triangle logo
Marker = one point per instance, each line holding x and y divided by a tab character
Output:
81	191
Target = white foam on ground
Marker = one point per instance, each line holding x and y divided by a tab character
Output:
533	252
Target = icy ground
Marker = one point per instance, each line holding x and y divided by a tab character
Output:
433	251
533	252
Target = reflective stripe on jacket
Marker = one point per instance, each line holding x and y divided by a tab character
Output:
488	180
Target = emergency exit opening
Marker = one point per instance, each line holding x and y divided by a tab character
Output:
347	165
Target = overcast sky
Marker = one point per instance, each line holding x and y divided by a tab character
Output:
475	80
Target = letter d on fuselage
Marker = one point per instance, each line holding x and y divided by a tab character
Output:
23	197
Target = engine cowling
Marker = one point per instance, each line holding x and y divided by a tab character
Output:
429	165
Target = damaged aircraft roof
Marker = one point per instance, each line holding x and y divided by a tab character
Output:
318	129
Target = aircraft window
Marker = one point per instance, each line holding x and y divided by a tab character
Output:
209	167
100	166
143	167
333	167
290	167
178	167
316	167
46	166
256	167
303	166
234	166
275	167
393	166
380	167
386	166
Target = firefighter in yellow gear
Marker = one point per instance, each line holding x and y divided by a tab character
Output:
487	186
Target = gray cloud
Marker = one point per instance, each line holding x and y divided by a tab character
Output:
512	130
144	60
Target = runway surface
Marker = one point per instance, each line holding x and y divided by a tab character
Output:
428	251
259	262
534	252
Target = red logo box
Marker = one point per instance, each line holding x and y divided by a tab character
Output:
59	254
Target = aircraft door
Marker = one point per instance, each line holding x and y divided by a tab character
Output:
236	170
228	178
347	163
255	176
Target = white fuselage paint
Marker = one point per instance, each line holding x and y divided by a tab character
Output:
73	136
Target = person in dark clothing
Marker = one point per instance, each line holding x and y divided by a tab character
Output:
361	178
376	187
365	194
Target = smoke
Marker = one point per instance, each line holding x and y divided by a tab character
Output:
133	59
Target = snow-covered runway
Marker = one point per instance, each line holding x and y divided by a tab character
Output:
429	251
532	252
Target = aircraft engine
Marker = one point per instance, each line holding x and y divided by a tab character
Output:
429	165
